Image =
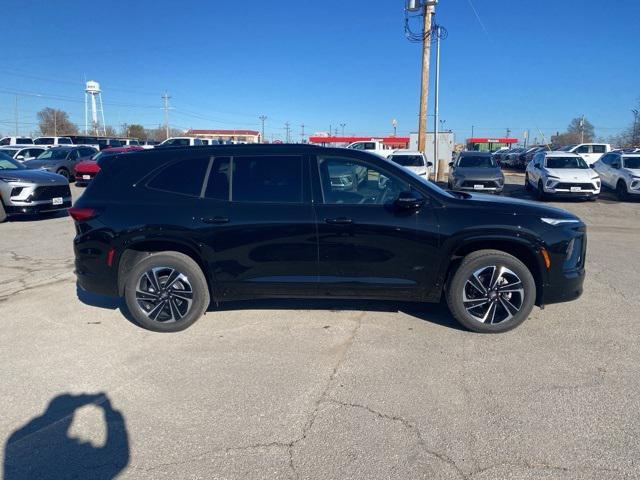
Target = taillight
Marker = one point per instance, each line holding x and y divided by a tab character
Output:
83	214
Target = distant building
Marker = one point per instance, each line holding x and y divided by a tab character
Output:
242	136
336	141
490	144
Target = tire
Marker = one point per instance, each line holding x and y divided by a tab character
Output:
157	314
527	185
541	196
621	191
65	173
3	213
510	309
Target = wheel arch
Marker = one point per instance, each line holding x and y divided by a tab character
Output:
520	248
133	252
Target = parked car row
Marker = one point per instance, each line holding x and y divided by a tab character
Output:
519	158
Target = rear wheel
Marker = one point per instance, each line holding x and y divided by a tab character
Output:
621	190
64	172
166	292
491	292
3	213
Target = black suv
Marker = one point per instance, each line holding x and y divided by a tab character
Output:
174	229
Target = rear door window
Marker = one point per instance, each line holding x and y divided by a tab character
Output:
219	180
598	148
582	149
267	179
184	177
64	141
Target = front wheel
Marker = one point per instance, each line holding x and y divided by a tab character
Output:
527	184
540	192
166	292
64	172
621	191
3	213
491	292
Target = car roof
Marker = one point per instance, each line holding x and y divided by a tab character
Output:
555	153
474	153
406	152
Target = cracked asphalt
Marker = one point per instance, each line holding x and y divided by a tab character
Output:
318	390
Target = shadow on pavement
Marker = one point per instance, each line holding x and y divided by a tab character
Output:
102	301
428	312
42	448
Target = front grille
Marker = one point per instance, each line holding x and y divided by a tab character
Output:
567	186
484	183
47	193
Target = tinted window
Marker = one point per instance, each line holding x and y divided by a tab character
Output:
44	141
184	177
5	141
408	160
54	154
468	161
87	152
347	181
134	142
607	159
582	149
24	141
369	146
598	148
566	162
631	162
218	184
267	179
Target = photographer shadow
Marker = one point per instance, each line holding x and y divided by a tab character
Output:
43	448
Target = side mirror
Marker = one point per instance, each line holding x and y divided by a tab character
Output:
409	201
429	164
451	164
20	157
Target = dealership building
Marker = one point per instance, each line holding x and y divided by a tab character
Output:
489	144
243	136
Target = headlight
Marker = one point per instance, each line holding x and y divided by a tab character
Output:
9	179
559	221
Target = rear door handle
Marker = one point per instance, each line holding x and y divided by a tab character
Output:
338	221
215	220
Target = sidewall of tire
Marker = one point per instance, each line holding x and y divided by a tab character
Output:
185	265
476	261
3	213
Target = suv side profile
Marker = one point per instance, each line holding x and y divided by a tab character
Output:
173	230
620	171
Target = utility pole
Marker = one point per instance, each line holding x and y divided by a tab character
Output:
287	127
436	116
55	122
342	125
582	129
336	132
508	132
330	129
428	10
634	137
302	132
166	98
262	119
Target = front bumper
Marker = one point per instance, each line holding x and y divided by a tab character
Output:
37	207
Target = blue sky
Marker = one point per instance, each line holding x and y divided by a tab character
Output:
523	65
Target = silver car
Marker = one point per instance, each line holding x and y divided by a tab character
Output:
60	160
476	171
23	153
24	191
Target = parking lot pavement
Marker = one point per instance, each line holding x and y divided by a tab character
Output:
297	389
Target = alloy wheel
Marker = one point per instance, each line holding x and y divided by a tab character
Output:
493	294
164	294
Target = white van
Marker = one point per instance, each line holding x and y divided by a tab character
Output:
591	152
10	141
52	141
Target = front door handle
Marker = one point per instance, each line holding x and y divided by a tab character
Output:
338	221
215	220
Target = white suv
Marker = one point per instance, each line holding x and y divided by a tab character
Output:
10	141
620	172
181	142
591	152
52	141
561	174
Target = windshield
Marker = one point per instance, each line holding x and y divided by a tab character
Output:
631	162
476	162
408	160
565	162
8	163
53	154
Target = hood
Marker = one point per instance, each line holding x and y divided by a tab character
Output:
35	176
479	173
574	174
515	206
87	166
40	163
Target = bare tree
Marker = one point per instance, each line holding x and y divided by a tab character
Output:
579	130
55	122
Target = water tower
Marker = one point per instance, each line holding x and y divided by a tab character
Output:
92	90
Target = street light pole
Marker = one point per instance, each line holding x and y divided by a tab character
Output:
634	137
262	119
342	125
436	116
